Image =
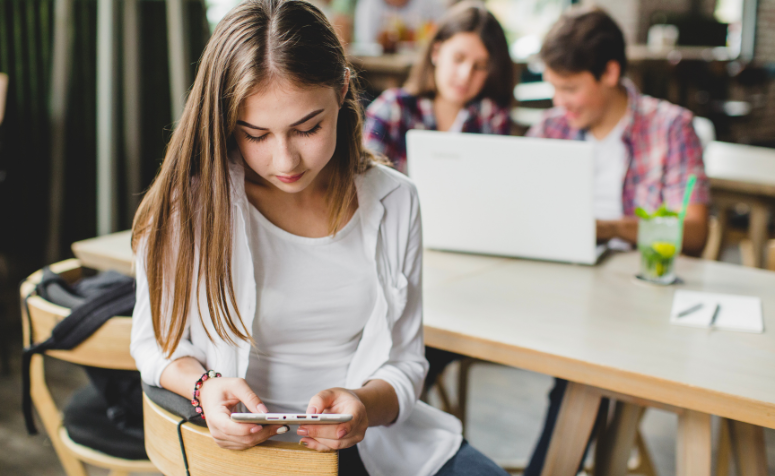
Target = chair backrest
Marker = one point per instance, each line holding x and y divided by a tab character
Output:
108	347
705	130
205	457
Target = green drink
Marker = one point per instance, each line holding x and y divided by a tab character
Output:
658	245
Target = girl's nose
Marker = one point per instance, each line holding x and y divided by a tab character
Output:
285	157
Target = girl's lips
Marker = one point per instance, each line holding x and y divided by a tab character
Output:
289	178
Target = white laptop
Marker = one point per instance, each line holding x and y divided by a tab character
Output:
507	196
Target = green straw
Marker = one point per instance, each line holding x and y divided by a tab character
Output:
682	214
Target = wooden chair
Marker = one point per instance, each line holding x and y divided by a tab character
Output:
205	457
108	347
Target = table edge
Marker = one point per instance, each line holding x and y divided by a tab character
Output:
660	390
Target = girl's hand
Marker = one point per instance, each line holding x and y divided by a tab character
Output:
335	437
218	397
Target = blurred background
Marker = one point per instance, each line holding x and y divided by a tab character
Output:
720	65
90	91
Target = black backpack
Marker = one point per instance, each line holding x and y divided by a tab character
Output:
93	301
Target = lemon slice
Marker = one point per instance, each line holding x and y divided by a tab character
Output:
665	249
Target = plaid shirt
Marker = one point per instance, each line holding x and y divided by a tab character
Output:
663	151
396	111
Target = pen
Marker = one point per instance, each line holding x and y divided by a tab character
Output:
692	309
715	315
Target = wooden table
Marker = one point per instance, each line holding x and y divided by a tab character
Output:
598	327
608	333
743	174
107	252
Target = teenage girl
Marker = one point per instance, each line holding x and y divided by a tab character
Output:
274	250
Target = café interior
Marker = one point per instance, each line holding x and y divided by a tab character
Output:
90	94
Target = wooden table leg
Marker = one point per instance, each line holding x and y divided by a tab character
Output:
757	230
724	451
612	451
571	432
693	454
748	448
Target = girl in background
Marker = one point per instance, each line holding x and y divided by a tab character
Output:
462	83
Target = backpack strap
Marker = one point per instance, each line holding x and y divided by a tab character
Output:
82	322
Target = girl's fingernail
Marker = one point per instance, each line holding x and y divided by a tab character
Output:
262	409
303	443
256	429
341	434
312	410
302	431
282	429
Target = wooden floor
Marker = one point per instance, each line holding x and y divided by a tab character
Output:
505	415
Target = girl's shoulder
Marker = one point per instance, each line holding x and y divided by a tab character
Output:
381	181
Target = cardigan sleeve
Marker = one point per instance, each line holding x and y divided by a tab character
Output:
406	367
148	354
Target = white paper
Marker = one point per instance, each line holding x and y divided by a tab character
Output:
736	313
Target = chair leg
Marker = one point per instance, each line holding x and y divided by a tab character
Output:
446	403
51	418
724	450
757	230
462	390
613	450
747	253
748	448
645	464
713	244
771	255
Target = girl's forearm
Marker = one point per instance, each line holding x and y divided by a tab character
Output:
380	400
181	375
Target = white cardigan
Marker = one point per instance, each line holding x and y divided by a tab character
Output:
391	347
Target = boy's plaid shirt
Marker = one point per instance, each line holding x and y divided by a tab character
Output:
663	150
395	112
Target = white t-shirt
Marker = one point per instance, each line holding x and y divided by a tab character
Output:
314	296
611	162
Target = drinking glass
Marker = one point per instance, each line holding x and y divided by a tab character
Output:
658	245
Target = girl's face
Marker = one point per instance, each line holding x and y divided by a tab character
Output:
461	67
287	134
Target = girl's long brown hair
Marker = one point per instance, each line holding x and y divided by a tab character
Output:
468	17
184	224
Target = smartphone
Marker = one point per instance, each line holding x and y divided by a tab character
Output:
291	418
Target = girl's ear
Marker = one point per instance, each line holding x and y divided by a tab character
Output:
345	88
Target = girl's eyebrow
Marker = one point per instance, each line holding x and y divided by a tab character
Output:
300	121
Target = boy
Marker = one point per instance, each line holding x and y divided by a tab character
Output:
645	148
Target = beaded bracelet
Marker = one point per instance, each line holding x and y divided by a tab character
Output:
195	400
